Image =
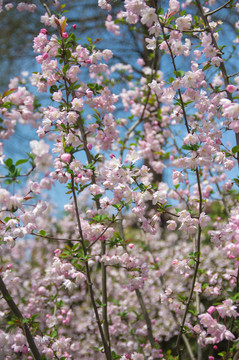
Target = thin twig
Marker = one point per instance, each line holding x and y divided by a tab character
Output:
107	227
184	31
89	282
141	118
20	175
103	266
46	7
232	75
218	9
198	242
53	238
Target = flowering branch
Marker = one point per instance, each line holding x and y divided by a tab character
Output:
221	65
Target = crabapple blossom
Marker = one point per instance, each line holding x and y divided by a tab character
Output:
147	247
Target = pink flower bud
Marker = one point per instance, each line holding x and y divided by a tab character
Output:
231	88
140	62
74	26
211	309
131	246
89	93
89	146
24	349
65	35
66	157
44	56
43	31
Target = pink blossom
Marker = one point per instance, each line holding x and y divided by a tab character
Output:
231	88
77	104
111	26
57	96
65	35
227	309
66	157
8	6
43	31
151	43
171	225
211	309
184	22
204	219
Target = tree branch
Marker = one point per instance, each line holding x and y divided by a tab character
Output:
15	310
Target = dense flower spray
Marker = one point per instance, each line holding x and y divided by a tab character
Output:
140	262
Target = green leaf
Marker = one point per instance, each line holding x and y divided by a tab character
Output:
53	89
206	67
42	232
65	68
160	11
117	206
68	54
235	149
190	147
179	73
8	162
22	161
8	92
115	356
12	169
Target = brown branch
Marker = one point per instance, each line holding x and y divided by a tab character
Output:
14	308
198	242
103	247
218	9
232	75
20	175
89	282
53	238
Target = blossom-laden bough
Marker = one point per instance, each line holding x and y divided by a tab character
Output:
144	262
